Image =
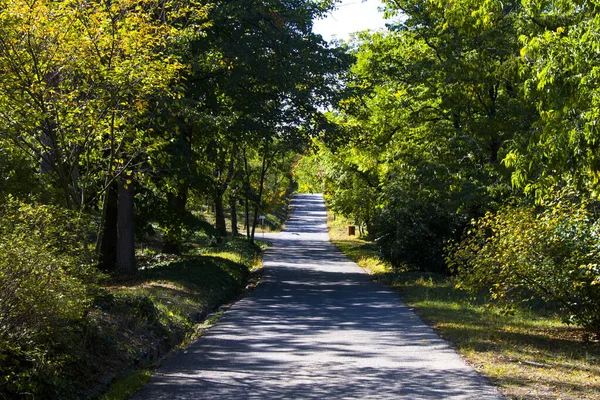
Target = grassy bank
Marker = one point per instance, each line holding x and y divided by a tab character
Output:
129	325
528	354
182	296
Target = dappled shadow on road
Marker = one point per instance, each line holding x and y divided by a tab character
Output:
317	328
414	384
308	216
312	333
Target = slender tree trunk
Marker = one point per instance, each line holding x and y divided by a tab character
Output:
370	229
125	229
495	144
234	222
263	172
220	190
107	239
220	214
247	191
247	212
176	204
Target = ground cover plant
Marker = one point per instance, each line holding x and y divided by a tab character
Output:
78	346
529	353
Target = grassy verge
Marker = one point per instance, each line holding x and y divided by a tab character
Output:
134	323
529	355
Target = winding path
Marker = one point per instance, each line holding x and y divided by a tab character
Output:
317	328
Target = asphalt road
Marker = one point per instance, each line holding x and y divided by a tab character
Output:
317	328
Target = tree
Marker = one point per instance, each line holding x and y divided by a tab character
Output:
77	78
560	65
259	77
432	108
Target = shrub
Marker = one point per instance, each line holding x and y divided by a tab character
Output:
412	234
549	252
47	277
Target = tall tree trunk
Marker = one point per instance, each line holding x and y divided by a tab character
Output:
220	190
125	228
220	214
247	190
176	205
234	222
247	212
370	229
263	172
107	239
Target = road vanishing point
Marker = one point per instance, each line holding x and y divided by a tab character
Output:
317	327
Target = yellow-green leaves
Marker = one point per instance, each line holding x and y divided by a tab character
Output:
548	253
76	77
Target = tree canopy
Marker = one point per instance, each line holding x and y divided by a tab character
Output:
465	124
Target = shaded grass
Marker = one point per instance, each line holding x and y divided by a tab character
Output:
127	386
360	251
189	287
527	353
168	304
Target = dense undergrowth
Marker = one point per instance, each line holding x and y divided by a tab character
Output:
68	332
527	351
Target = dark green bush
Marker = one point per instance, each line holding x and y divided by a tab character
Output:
412	235
549	252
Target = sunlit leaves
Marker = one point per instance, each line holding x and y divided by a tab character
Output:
561	59
527	253
76	76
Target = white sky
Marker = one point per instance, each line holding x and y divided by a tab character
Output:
350	16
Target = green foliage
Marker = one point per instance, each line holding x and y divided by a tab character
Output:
411	233
349	187
562	81
47	279
428	119
45	269
308	173
459	102
126	387
550	252
17	178
76	78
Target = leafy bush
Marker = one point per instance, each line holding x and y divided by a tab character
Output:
420	213
550	252
47	276
413	235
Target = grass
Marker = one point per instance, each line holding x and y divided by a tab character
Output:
190	286
171	301
529	355
127	386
